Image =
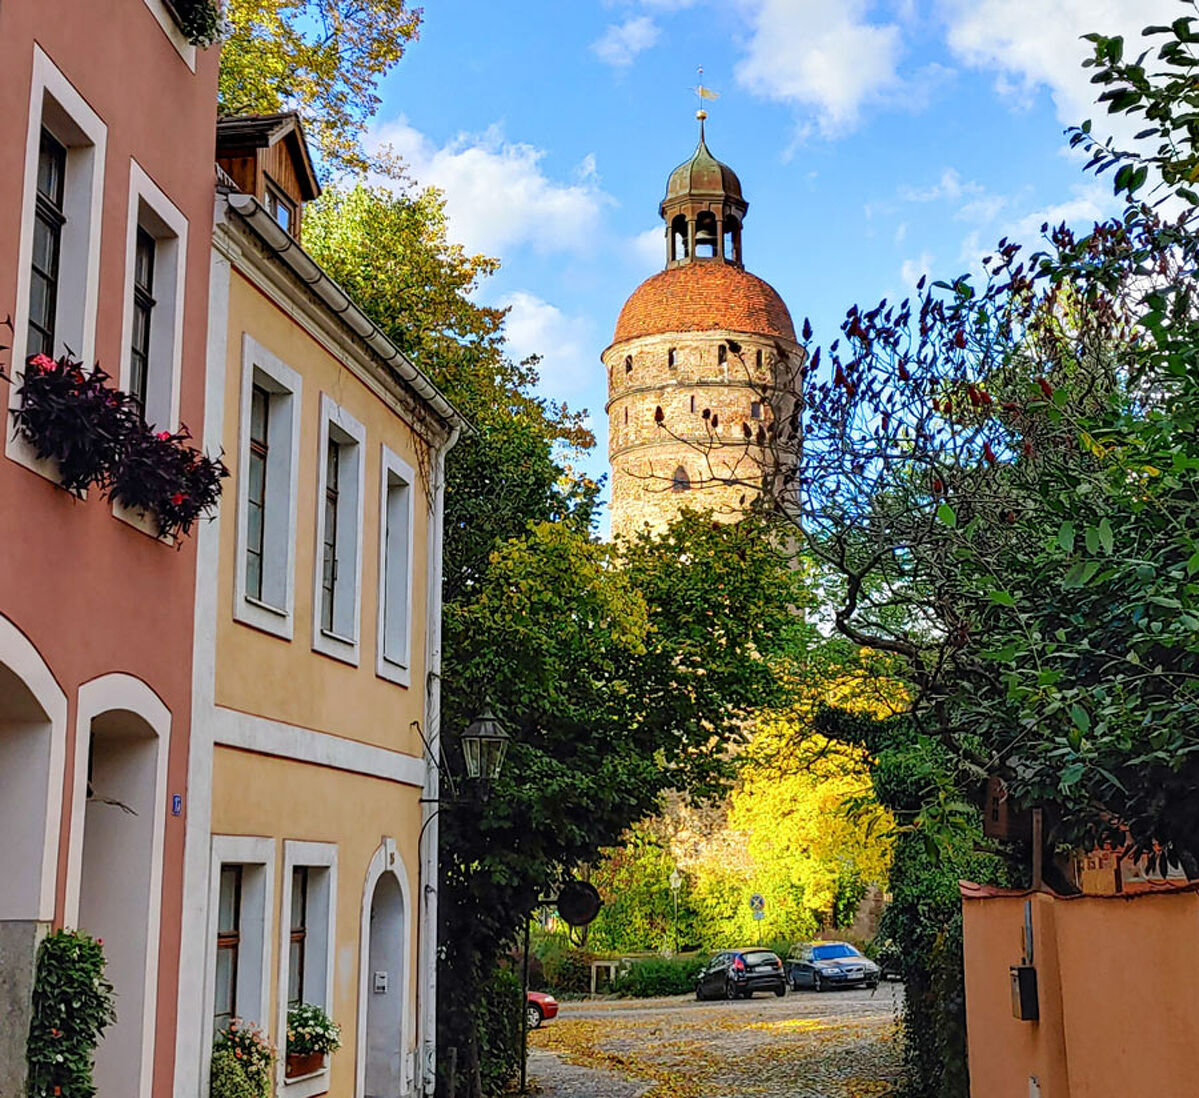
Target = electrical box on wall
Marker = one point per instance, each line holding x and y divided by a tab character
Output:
379	984
1024	993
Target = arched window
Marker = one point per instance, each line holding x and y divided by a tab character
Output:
680	482
707	243
678	238
732	240
628	364
671	358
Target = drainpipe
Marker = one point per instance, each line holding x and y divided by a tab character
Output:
426	987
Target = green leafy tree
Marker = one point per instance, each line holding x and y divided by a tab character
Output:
324	58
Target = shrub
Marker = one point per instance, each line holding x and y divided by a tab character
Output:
228	1079
72	1007
660	976
500	1018
566	970
311	1030
253	1052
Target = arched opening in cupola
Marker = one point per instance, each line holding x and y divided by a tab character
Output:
707	240
678	238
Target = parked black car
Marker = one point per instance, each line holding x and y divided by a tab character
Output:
738	973
821	965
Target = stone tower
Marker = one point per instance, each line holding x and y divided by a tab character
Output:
706	342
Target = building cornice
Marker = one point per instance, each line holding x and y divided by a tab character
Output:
261	252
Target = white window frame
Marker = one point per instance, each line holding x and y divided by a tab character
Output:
287	398
256	856
150	209
171	29
322	922
55	103
395	663
336	422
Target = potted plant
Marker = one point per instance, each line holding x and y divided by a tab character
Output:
200	20
243	1061
72	416
160	474
311	1036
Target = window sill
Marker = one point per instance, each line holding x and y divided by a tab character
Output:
263	616
335	646
307	1086
392	671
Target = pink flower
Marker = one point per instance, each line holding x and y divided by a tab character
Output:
177	499
42	362
163	436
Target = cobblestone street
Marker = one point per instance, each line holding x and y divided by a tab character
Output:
836	1045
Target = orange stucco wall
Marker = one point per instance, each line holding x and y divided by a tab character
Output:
1116	977
287	681
257	795
91	593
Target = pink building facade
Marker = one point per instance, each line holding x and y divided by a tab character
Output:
106	199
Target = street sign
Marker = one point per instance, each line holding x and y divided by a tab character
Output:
759	915
758	902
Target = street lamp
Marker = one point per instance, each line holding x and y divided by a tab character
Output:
484	745
676	882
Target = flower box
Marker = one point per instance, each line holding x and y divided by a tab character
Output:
304	1063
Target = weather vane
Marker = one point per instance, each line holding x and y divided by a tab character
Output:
703	93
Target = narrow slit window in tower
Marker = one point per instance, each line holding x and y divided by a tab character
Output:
722	354
626	415
758	358
672	358
628	364
693	402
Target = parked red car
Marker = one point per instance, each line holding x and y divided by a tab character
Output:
541	1008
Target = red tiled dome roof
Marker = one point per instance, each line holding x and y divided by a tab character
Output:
699	297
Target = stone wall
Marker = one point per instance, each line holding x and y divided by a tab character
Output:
18	959
686	374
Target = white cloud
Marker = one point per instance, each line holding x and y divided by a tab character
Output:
1033	44
823	55
622	42
498	197
569	360
949	186
913	270
973	201
1091	202
649	249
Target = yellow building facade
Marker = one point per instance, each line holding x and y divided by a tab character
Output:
311	848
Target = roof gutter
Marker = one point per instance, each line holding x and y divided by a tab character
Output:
306	269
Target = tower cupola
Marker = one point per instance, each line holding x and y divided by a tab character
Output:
703	209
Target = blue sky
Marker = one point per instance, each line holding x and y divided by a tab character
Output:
874	141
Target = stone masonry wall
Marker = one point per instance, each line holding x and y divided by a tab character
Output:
644	454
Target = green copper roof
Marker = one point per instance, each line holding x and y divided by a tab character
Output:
703	175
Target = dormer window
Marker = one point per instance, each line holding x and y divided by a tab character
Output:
280	207
266	155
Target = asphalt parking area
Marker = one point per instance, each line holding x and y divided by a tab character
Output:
838	1044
